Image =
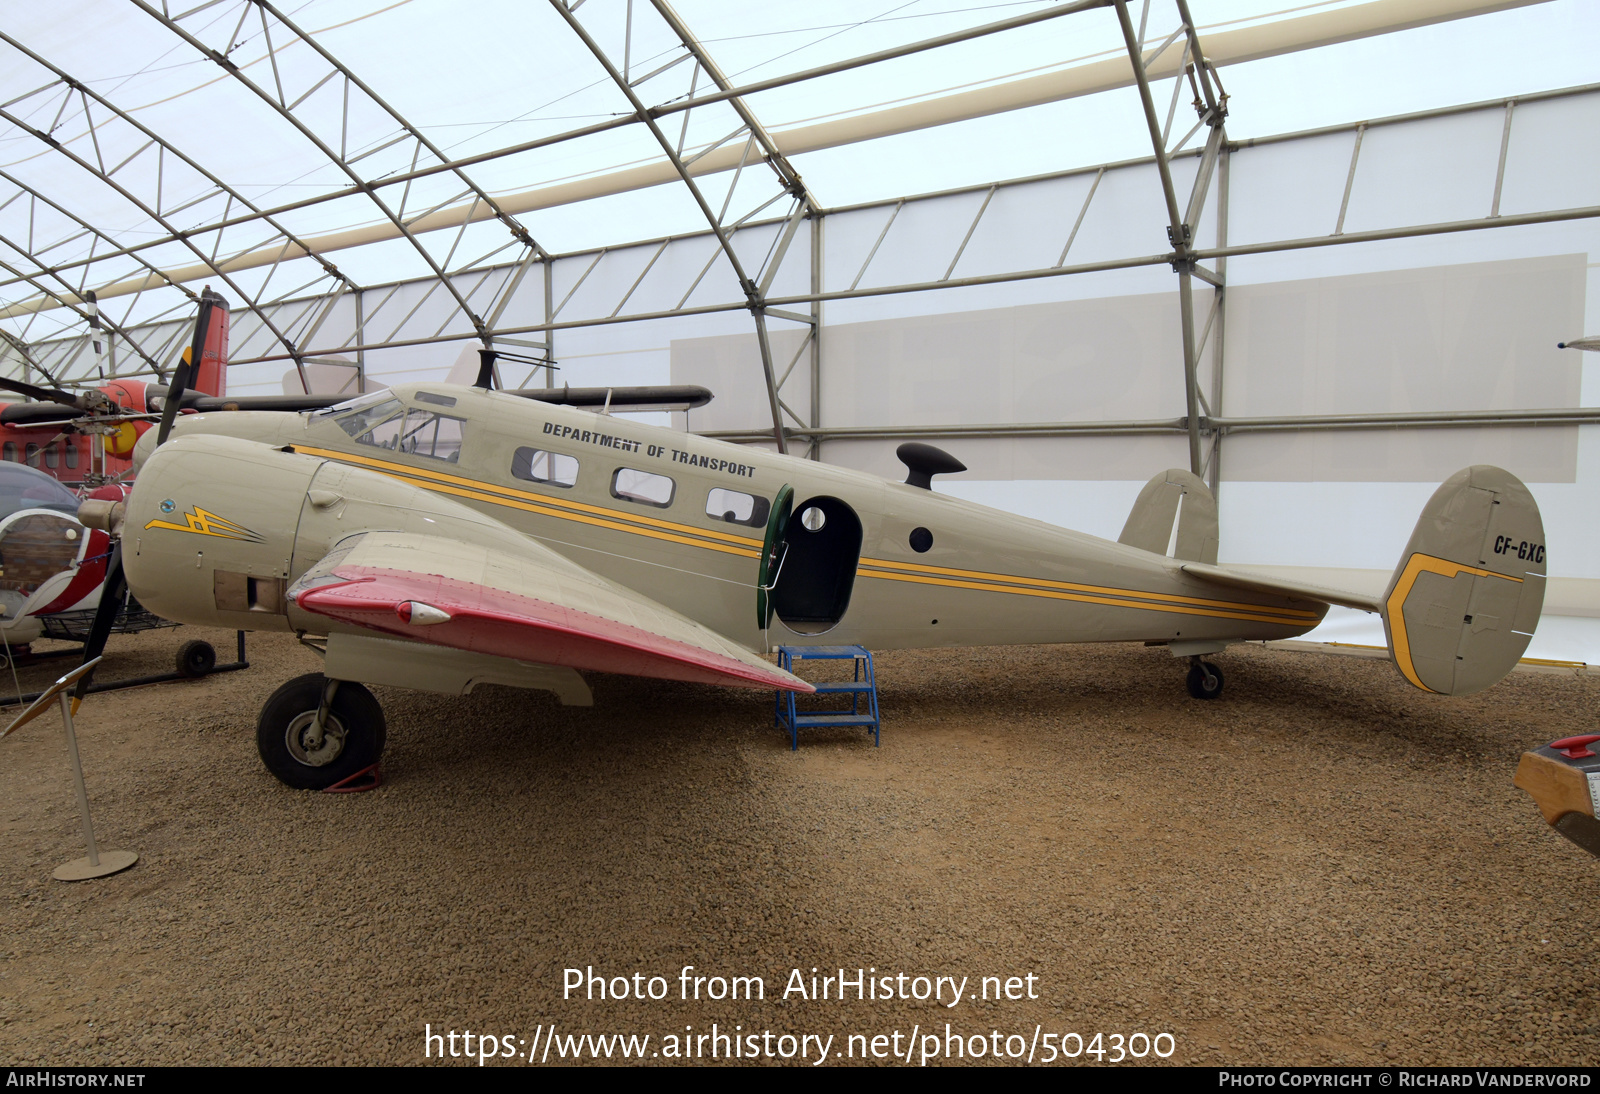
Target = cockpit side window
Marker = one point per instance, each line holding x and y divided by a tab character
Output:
415	432
24	488
437	436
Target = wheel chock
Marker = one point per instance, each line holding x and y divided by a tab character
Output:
368	778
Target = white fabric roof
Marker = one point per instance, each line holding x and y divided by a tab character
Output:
195	146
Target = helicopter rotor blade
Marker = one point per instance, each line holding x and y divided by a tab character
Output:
43	394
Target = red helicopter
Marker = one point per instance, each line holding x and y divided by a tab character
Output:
52	568
86	438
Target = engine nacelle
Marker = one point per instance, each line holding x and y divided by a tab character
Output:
217	528
209	532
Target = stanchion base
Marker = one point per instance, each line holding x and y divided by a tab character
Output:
111	862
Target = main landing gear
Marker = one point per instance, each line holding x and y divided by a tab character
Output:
315	733
1205	679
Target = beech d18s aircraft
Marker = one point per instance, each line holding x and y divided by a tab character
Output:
439	536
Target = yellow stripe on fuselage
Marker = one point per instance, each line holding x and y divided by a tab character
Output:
727	543
510	491
1296	614
544	505
1109	600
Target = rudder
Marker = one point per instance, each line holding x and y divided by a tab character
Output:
1466	596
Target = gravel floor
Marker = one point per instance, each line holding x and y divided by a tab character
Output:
1323	866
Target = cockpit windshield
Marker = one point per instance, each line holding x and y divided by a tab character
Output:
350	404
22	487
359	421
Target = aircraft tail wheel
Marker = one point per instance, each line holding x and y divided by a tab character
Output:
1205	680
351	738
196	658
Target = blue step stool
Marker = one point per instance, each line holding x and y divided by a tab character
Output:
864	683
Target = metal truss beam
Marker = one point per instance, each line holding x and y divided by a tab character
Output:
1450	419
453	217
68	299
785	170
164	149
753	292
277	100
99	171
319	245
817	296
1209	103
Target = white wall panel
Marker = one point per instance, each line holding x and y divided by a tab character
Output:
1425	172
1553	161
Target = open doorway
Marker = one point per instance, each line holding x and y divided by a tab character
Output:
819	569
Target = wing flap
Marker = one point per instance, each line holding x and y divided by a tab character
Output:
528	607
1233	579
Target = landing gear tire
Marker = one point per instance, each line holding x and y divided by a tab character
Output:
196	658
1205	680
353	733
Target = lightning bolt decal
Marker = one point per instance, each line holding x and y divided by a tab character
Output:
203	522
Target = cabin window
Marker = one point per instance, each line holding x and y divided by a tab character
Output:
737	508
436	400
642	487
552	468
72	456
52	456
30	455
9	451
436	436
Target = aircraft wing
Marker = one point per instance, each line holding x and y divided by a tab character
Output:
534	605
1233	579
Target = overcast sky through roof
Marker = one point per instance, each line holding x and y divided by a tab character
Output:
475	78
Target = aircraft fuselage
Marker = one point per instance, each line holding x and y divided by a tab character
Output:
681	519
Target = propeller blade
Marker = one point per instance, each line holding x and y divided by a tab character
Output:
105	616
184	374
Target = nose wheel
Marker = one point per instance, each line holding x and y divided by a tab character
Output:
315	732
1205	679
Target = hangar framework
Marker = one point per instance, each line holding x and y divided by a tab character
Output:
85	300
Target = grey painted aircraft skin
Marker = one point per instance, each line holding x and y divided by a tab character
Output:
985	577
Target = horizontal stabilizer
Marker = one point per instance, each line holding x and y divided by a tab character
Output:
1235	579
